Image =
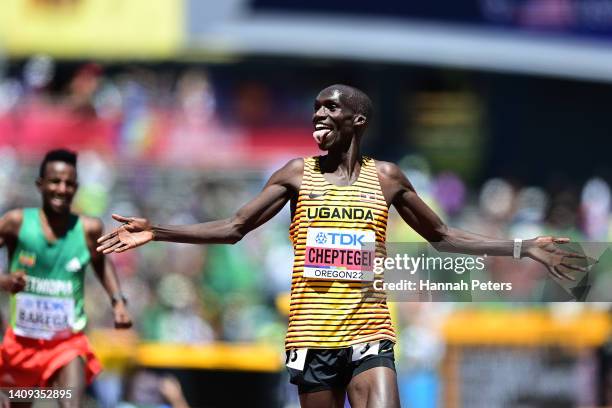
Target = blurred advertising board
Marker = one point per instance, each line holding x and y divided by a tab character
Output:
91	28
575	17
527	358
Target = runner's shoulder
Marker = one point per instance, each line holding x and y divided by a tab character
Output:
93	226
388	170
291	173
392	180
295	166
11	221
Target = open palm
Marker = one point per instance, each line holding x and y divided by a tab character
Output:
133	233
558	261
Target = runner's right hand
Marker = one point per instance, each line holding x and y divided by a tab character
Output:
121	316
133	233
13	282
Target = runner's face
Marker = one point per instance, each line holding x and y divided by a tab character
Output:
332	120
58	186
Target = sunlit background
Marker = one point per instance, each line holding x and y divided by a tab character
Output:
498	111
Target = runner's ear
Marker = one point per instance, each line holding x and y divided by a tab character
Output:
359	120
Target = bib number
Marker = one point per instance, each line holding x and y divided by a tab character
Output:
339	254
297	358
364	349
42	317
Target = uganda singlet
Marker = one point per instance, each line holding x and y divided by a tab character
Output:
51	304
330	231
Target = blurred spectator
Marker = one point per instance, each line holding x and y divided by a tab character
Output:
170	388
82	89
154	390
595	205
176	317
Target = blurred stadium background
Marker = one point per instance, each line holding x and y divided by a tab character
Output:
498	110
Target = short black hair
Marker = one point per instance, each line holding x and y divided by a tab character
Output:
355	98
61	155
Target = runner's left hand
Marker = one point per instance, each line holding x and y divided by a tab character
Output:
122	316
559	263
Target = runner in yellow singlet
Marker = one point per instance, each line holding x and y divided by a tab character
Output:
336	343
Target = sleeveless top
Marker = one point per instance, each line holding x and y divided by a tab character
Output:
51	305
336	231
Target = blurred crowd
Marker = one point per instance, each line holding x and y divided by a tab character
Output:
168	114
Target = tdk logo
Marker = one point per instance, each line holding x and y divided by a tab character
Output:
338	238
321	238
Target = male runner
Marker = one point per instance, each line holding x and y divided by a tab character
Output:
336	342
49	249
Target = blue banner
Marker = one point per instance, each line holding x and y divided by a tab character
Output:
574	17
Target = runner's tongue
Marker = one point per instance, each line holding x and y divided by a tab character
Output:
320	134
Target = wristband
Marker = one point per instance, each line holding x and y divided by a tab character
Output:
516	252
116	297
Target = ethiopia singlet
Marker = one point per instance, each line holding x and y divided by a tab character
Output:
51	305
331	231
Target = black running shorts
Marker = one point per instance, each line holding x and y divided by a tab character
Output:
324	369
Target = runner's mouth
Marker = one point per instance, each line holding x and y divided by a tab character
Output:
58	201
321	132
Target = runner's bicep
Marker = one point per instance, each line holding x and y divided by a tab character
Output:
98	262
263	207
93	230
279	189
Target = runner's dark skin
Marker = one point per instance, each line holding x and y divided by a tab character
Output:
58	187
339	124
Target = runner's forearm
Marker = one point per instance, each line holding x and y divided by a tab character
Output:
105	271
227	231
465	242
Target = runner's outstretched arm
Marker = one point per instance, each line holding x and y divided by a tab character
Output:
280	188
105	271
400	193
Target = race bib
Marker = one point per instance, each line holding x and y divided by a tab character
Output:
339	254
297	358
42	317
